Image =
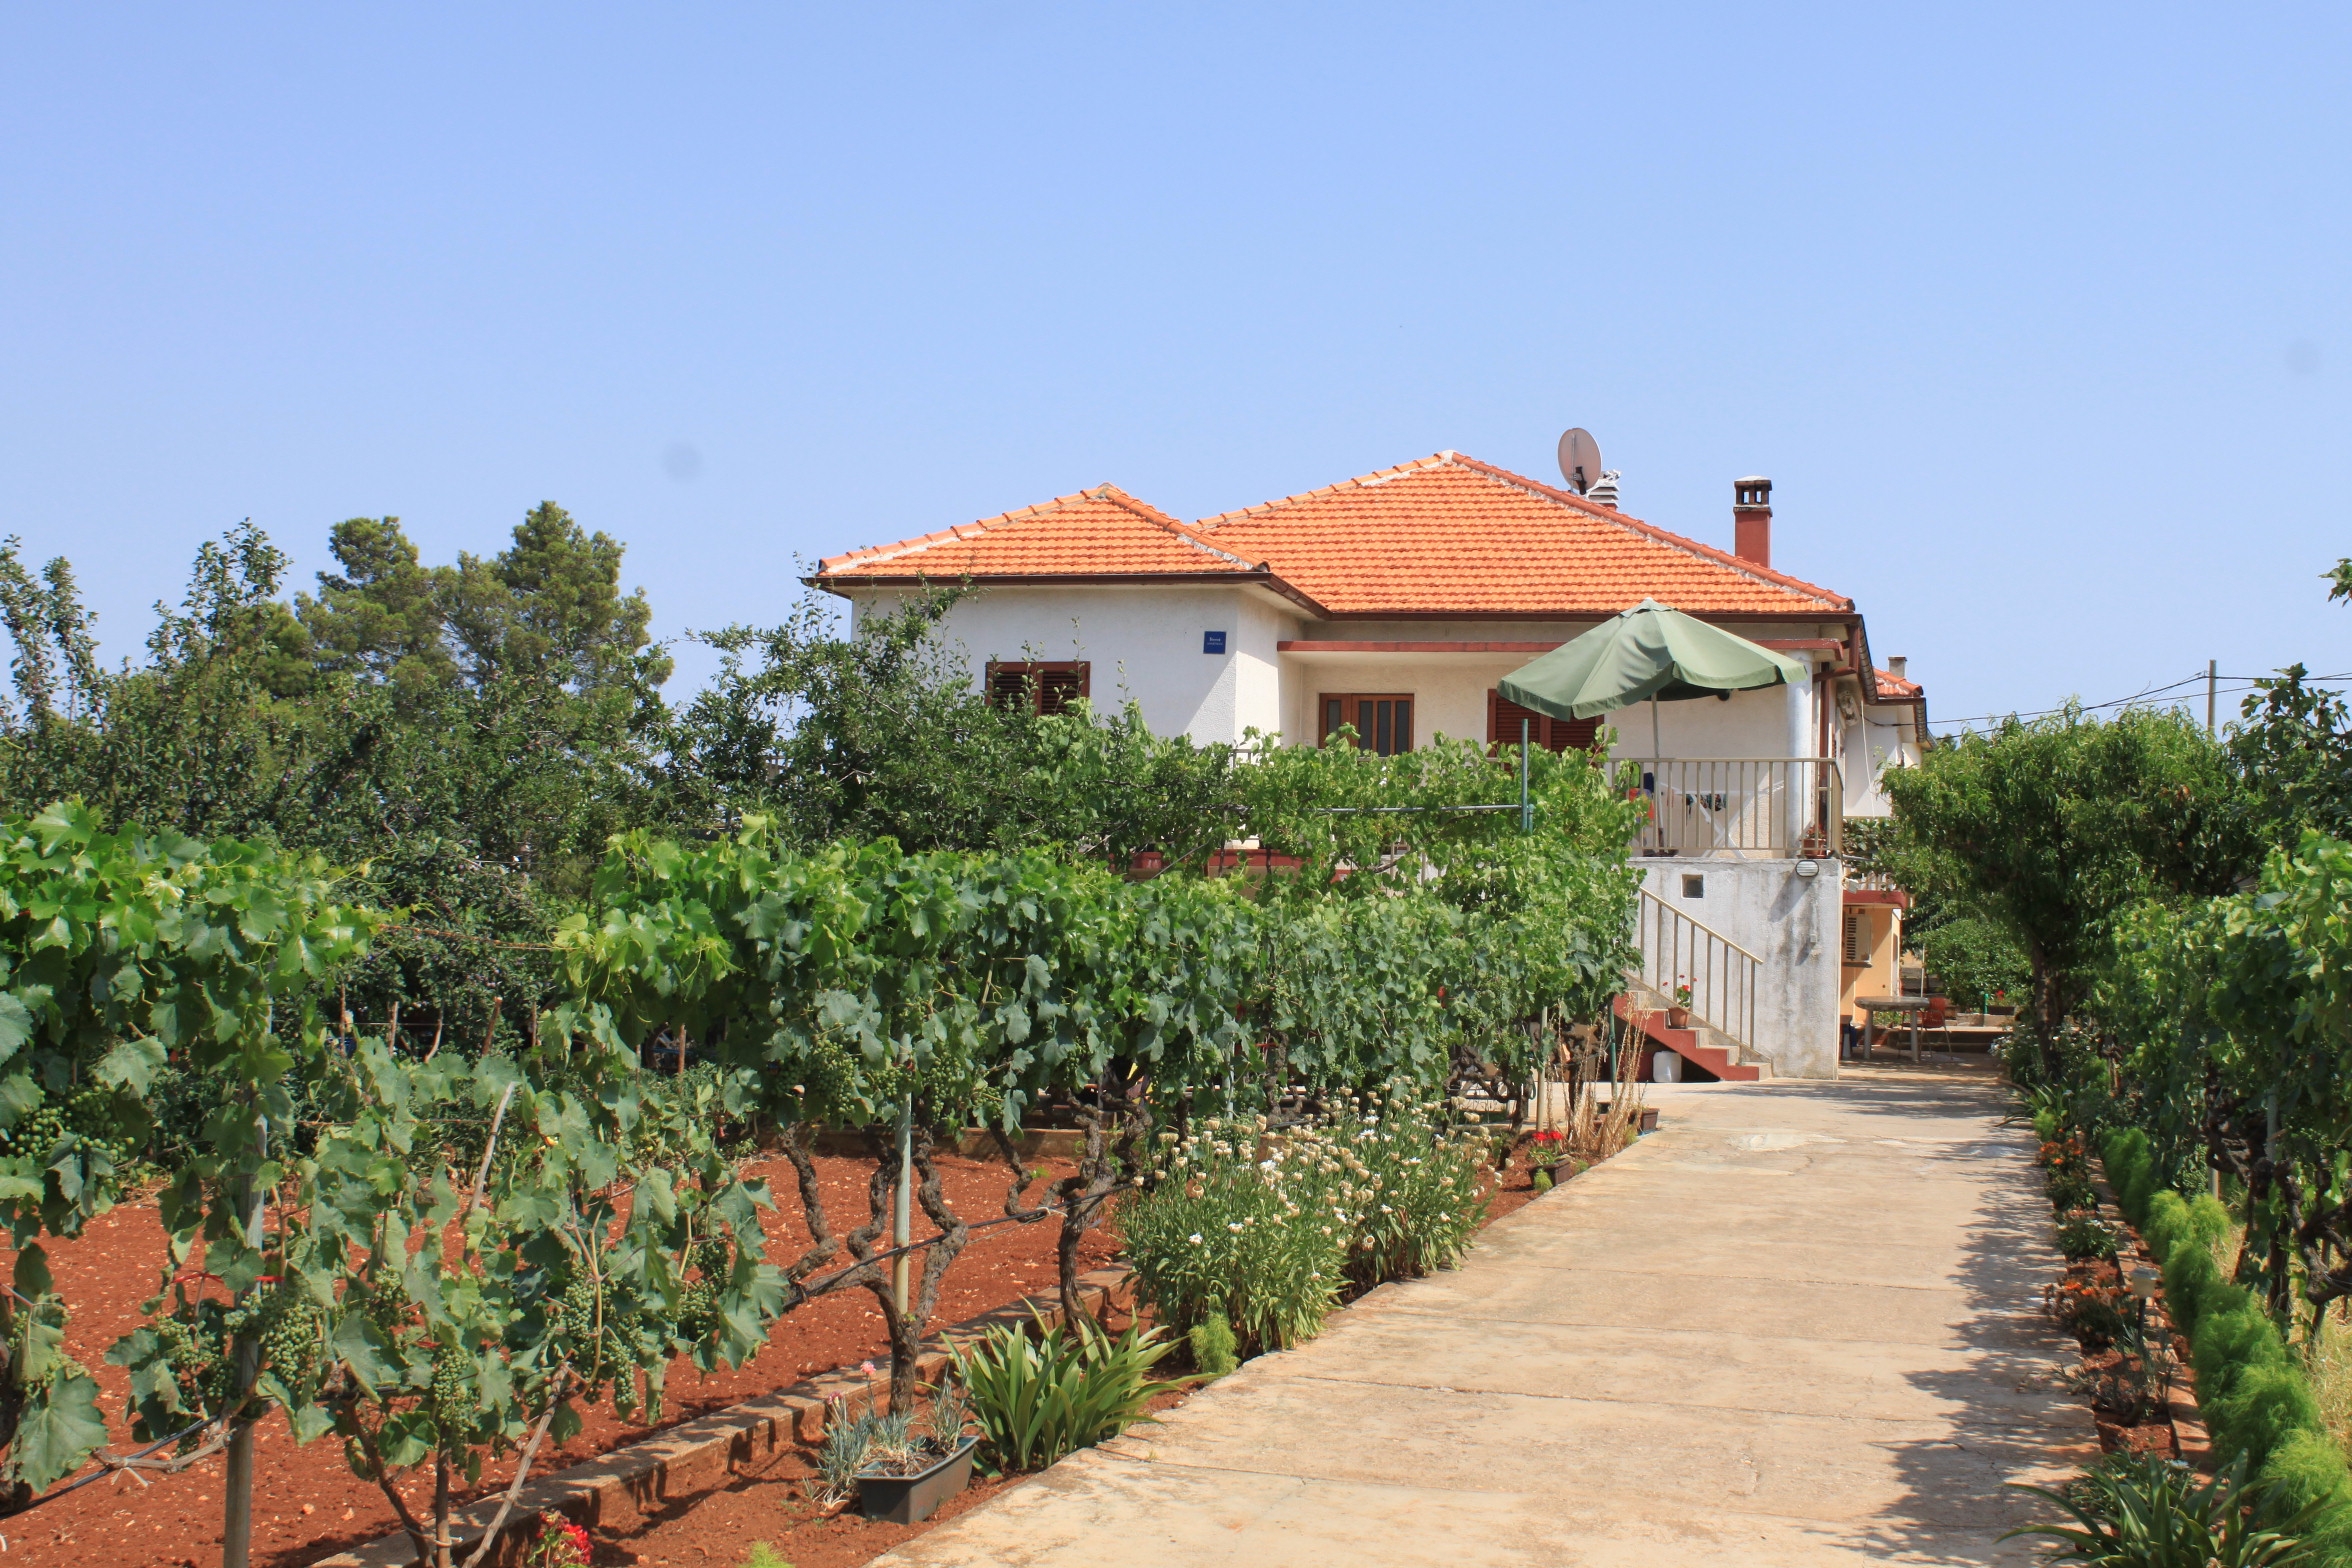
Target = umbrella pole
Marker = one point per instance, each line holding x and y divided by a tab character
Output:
1657	751
1526	807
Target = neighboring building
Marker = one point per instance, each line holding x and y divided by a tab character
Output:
1395	602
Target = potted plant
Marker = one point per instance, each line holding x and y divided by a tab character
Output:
899	1471
1678	1016
1545	1150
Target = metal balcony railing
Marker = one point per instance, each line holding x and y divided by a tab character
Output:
1677	951
1765	808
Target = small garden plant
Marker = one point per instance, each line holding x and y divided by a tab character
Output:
1036	1399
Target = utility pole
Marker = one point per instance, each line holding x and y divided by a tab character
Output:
2212	692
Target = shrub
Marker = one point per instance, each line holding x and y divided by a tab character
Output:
1261	1245
2131	1510
2307	1472
1038	1399
2069	1192
2209	1221
1212	1348
1417	1198
2130	1171
2265	1404
2189	1275
2084	1237
2168	1217
1378	1189
2045	1123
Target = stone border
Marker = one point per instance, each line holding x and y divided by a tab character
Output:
2191	1443
701	1455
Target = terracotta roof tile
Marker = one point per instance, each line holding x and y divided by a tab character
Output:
1452	535
1894	688
1447	535
1098	532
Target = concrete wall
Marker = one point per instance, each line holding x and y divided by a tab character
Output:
1789	922
1881	738
1144	644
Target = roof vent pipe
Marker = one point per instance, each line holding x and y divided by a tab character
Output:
1751	519
1606	491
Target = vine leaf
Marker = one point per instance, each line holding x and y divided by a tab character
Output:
59	1429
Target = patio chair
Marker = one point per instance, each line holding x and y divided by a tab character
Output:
1936	1019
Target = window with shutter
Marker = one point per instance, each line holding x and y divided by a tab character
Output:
1039	685
1503	718
1383	721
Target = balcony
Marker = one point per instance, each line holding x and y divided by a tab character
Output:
1752	808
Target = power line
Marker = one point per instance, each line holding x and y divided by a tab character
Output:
2240	682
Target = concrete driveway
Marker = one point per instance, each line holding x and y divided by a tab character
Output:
1799	1324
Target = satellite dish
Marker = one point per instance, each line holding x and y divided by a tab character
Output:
1580	460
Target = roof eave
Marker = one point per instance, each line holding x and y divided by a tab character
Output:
842	584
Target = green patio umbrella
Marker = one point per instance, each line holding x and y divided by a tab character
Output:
1649	652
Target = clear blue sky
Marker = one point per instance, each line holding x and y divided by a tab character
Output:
2039	317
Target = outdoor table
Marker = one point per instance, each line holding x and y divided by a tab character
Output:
1914	1005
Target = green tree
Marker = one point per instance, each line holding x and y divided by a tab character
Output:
2052	827
381	617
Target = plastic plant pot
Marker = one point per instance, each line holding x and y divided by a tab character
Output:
911	1499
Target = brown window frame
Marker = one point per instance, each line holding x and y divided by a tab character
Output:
1043	685
1502	727
1368	731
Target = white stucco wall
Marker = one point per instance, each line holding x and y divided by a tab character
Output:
1792	924
1882	738
1143	643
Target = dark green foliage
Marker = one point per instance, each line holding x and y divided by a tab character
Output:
2050	829
2085	1237
2069	1192
2292	752
2189	1275
2144	1511
1036	1399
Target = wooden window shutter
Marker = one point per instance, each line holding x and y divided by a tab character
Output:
1502	726
1040	686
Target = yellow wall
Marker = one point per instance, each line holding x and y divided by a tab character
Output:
1882	940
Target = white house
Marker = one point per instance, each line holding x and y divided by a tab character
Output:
1394	602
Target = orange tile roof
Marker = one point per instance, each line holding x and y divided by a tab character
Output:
1103	532
1894	688
1447	535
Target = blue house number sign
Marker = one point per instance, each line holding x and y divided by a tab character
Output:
1212	642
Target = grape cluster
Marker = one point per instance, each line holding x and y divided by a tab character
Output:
450	1402
602	1330
197	1339
92	1112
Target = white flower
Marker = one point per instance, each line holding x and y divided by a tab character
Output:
1234	1225
1196	1238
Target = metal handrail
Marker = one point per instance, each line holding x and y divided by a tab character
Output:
1774	807
1723	976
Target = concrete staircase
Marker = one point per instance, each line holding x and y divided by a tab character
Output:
1710	1048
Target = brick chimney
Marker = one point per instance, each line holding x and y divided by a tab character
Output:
1751	519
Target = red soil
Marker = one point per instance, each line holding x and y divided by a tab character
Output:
308	1504
716	1530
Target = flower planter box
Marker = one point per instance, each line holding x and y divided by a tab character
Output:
911	1499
